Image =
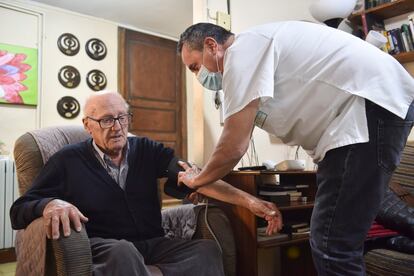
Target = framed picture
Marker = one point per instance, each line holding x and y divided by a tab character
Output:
18	75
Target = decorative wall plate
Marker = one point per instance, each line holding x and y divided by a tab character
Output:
69	76
96	80
95	49
68	107
68	44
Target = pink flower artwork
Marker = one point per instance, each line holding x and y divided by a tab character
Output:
12	74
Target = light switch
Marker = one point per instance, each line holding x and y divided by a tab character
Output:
224	20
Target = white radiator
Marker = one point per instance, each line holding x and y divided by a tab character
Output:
9	192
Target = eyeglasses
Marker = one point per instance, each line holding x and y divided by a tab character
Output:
109	122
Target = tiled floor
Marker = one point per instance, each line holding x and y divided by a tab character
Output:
7	269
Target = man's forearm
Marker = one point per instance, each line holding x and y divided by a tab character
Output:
233	143
223	191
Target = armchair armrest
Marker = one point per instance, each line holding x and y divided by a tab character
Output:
37	255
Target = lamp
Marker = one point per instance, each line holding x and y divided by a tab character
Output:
332	12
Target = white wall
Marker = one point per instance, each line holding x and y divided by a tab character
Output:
245	14
15	120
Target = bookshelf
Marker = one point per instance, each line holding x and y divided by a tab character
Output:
244	224
382	12
405	57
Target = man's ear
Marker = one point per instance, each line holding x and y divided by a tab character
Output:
86	125
211	45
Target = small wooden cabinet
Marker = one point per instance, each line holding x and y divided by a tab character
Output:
294	256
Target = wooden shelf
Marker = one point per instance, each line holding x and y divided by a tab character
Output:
405	56
295	205
271	172
272	243
246	237
385	11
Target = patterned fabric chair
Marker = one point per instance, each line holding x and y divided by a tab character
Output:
385	262
37	255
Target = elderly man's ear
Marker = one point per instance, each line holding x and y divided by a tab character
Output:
85	125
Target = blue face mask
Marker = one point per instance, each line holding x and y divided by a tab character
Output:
210	80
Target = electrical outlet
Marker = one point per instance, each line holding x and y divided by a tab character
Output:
224	20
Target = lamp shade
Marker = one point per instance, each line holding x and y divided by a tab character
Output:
323	10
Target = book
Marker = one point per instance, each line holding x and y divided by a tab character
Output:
405	28
301	230
397	41
290	228
298	225
391	49
276	193
411	24
269	187
277	199
273	238
405	41
300	235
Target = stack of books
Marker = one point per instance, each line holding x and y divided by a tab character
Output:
280	193
296	229
262	237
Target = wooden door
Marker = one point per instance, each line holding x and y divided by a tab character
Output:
151	79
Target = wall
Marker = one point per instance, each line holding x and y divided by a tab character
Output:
48	24
245	14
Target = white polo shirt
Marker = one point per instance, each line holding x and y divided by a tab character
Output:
312	81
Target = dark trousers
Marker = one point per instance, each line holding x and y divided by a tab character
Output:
174	257
351	185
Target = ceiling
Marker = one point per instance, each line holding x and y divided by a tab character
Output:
165	17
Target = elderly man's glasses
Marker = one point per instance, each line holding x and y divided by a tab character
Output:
109	122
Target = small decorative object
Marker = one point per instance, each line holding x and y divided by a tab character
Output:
18	75
69	76
96	80
331	12
95	49
68	44
68	107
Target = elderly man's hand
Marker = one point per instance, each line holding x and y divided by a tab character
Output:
195	198
269	212
58	212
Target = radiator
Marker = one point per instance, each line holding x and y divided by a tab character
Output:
9	192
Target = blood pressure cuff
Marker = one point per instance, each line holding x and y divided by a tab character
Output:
171	188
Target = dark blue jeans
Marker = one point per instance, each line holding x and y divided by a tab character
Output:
351	184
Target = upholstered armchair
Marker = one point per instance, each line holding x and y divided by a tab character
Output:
37	255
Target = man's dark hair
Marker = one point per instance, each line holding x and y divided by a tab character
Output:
194	36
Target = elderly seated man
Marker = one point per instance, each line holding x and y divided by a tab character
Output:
109	182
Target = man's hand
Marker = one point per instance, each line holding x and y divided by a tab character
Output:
58	211
187	176
269	212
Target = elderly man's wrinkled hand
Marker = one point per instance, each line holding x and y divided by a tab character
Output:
58	212
195	198
269	212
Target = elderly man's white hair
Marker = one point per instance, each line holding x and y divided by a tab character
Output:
88	108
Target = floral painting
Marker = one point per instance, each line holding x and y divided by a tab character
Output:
18	75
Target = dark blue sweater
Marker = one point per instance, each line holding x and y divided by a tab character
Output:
75	175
